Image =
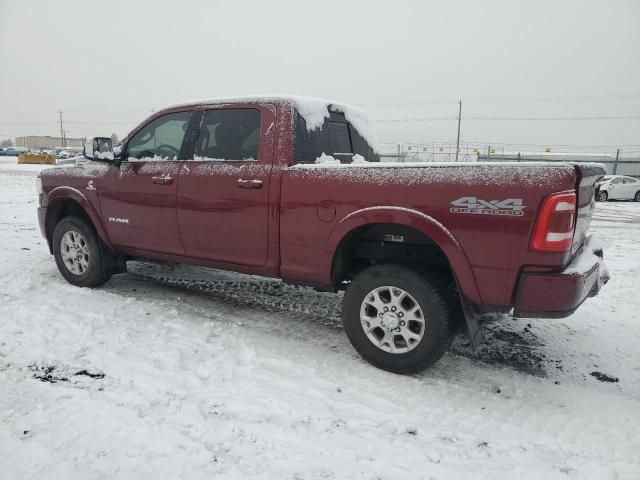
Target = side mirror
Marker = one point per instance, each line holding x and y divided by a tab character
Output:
98	148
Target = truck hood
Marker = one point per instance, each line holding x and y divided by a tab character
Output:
75	176
88	169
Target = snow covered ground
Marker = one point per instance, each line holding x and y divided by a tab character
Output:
183	373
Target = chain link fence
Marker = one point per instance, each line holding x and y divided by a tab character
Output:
619	161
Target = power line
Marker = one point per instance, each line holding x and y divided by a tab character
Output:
565	99
423	119
608	117
29	123
71	122
569	118
130	122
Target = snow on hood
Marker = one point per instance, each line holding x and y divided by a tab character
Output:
86	169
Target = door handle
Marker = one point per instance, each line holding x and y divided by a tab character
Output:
162	180
249	183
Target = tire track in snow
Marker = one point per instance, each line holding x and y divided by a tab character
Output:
507	342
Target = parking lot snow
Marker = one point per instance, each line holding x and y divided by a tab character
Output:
172	373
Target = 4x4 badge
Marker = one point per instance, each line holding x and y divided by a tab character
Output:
474	205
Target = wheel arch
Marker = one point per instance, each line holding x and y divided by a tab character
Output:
65	201
427	230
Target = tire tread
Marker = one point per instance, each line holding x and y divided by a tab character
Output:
433	288
98	273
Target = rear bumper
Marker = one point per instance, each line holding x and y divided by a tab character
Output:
557	295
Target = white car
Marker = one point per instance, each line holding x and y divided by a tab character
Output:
618	187
64	154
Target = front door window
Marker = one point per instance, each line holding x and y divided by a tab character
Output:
161	139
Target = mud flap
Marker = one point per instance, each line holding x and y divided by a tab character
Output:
112	263
473	325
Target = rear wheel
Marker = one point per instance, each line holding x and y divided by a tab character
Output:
637	196
397	319
602	196
79	253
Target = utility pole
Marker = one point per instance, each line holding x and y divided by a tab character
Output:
459	118
60	112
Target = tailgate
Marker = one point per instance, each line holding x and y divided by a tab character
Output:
587	176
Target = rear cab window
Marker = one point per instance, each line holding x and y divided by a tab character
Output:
336	138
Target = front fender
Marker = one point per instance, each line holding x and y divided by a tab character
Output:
430	227
76	195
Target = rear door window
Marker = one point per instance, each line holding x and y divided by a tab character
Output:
229	134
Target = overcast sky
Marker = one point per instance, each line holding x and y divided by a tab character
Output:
108	64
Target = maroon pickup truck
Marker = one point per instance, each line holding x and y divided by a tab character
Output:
291	188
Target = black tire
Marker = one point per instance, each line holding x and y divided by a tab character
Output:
428	293
96	273
637	196
602	196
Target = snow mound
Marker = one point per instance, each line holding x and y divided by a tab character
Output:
588	258
325	159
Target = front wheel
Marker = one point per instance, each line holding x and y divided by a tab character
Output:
602	196
78	253
397	319
637	196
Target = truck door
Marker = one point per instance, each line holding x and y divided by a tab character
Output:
223	194
138	200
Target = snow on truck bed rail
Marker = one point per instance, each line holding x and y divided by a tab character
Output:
324	162
474	173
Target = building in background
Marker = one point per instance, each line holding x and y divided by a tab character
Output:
47	143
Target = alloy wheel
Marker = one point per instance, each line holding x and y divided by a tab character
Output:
392	319
74	251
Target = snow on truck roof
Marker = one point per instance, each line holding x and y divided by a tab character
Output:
314	110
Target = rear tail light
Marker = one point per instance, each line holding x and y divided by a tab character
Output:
555	224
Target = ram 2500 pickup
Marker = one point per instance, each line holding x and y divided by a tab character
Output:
291	188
